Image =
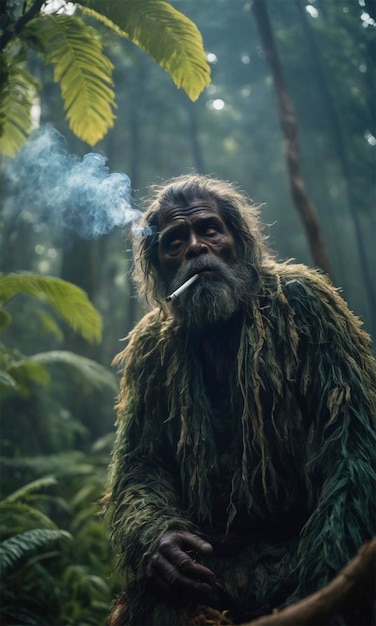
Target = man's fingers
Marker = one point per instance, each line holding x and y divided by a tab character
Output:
181	573
189	541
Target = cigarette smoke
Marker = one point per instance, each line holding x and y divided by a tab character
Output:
78	195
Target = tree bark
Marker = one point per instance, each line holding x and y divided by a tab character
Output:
303	204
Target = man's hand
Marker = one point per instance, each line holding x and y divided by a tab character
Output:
174	563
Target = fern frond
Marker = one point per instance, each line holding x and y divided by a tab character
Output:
94	374
18	549
70	302
62	465
82	70
17	92
26	490
168	36
18	517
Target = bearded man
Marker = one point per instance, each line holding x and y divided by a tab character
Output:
242	477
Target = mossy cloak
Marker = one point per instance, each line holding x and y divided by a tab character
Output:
297	461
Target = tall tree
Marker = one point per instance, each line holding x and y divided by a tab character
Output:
303	203
341	147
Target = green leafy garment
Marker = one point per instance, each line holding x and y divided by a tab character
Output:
297	461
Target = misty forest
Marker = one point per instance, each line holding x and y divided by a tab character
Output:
99	101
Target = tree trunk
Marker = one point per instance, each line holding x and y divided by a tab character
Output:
341	148
303	204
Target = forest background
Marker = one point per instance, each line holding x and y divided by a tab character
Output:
57	426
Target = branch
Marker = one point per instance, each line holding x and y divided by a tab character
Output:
354	585
20	23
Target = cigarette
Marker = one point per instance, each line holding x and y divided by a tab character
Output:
182	288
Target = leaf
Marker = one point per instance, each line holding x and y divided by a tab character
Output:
68	300
17	91
94	374
6	380
19	517
26	371
168	36
26	490
15	551
81	68
5	320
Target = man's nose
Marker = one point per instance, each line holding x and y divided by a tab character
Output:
195	246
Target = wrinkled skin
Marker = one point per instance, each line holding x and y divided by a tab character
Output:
174	564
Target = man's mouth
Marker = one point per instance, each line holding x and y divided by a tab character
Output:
206	272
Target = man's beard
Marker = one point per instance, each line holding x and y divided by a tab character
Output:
214	297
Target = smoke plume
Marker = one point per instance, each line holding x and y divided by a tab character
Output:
76	194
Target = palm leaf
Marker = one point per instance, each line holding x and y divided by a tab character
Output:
15	551
92	372
17	91
25	371
68	300
81	68
168	36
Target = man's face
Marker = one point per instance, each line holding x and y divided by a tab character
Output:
196	240
192	232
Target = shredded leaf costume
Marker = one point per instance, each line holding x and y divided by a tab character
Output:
286	464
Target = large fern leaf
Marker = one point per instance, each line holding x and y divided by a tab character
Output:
168	36
17	91
81	69
18	549
92	372
70	302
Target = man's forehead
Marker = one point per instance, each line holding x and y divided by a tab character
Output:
172	213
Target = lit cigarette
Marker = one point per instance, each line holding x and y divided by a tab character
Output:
182	288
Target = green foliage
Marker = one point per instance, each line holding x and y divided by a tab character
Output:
168	36
26	490
15	551
81	68
47	579
19	372
68	300
17	92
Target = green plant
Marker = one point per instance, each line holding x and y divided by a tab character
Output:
17	371
84	73
55	556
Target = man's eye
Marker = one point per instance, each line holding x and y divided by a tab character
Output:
210	231
173	246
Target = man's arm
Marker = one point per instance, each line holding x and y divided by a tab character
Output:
338	375
154	537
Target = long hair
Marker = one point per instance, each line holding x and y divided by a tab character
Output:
239	213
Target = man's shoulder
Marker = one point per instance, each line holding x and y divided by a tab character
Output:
300	281
146	336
